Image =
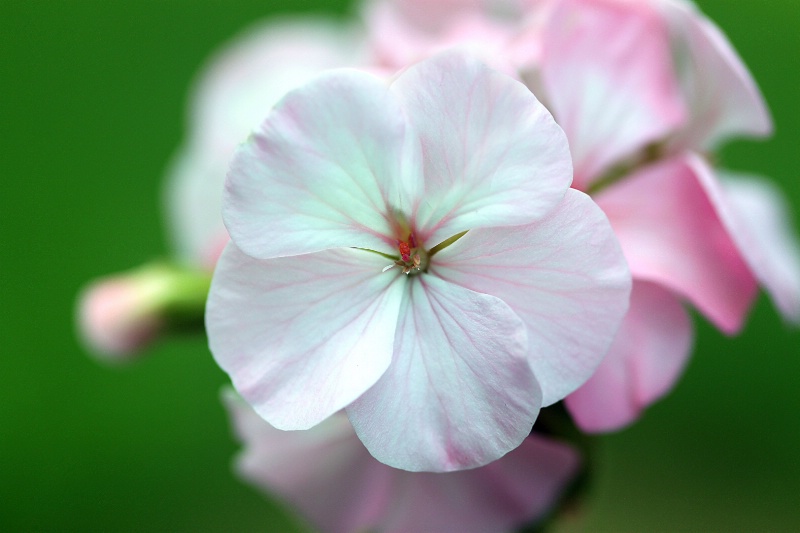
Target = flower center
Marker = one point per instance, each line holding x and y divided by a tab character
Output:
413	258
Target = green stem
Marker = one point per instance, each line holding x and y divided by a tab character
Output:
650	154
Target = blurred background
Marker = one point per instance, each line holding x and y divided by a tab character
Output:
92	106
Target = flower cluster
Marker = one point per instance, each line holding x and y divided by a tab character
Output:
497	205
645	91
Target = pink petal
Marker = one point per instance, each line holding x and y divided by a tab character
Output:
324	472
644	362
722	96
329	476
459	393
302	336
326	169
525	49
518	488
492	154
430	16
671	234
565	277
757	217
606	70
407	31
235	91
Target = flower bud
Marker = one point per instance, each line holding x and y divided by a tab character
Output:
120	315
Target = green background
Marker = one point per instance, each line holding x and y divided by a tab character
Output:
92	106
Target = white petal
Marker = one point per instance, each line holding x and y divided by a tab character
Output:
565	277
235	91
246	78
328	168
302	336
459	393
194	195
493	155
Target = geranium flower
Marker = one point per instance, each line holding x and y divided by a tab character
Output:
410	252
327	475
637	86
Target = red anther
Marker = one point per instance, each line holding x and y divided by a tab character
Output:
405	251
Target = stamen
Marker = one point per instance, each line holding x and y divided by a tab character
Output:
405	251
411	258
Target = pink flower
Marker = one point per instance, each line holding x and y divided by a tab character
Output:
635	85
411	252
327	475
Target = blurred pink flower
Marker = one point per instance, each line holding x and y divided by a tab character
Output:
635	85
721	96
605	72
619	75
402	32
118	315
332	480
507	289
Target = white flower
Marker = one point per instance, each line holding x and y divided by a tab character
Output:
508	287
